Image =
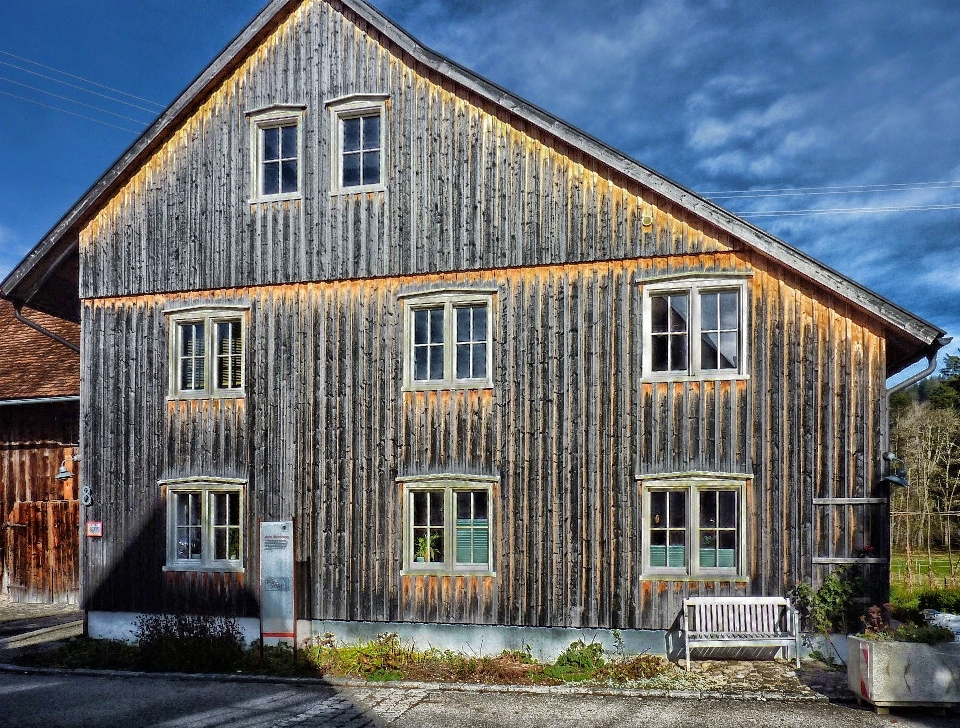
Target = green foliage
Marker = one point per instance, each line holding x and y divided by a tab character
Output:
830	608
877	627
182	643
578	662
943	600
942	395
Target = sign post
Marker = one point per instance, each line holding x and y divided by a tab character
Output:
278	616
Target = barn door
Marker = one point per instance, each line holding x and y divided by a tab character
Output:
42	550
852	533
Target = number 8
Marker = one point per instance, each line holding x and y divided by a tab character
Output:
86	495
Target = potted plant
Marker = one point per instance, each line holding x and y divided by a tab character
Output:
906	665
426	548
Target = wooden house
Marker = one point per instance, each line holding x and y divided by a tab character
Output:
500	373
39	423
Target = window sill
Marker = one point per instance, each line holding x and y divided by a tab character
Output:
205	395
358	190
207	568
446	386
441	572
704	377
687	577
289	197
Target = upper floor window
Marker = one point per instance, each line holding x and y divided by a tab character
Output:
694	329
277	151
207	352
358	133
693	526
448	343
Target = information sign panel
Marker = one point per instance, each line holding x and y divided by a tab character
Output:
277	615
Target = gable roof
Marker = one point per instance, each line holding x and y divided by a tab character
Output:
34	366
56	255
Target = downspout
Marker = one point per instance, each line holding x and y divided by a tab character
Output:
37	327
938	344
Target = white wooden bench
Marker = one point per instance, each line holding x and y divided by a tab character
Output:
740	621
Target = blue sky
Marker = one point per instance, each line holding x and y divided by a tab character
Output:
859	100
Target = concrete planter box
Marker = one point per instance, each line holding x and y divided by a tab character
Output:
890	674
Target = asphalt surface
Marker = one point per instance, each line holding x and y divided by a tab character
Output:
52	701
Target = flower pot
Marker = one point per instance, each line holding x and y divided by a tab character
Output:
890	674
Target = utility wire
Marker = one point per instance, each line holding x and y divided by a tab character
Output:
844	210
161	107
835	189
72	101
56	108
73	85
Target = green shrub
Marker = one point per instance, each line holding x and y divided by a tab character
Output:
831	608
578	662
180	643
943	600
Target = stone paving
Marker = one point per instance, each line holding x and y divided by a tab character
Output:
17	618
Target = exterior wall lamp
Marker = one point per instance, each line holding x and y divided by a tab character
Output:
63	473
896	470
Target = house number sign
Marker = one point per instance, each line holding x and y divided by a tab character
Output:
86	496
277	620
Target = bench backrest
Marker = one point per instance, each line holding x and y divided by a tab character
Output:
746	615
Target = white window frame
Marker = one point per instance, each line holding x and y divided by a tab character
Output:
207	488
695	288
352	107
693	484
270	118
209	317
450	485
449	300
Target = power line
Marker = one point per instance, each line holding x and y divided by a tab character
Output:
56	108
749	195
844	210
81	88
72	101
893	186
85	80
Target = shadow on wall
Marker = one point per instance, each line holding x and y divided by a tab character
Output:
135	581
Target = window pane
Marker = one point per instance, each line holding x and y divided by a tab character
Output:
658	314
464	321
351	135
464	506
436	361
678	509
420	326
463	361
678	353
351	170
420	505
436	325
729	351
729	311
678	313
480	504
727	510
708	351
658	508
371	132
479	323
659	353
271	178
420	371
288	146
371	168
708	508
708	311
288	183
233	544
271	144
219	509
479	360
220	543
436	508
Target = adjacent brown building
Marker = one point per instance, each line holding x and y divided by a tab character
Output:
39	432
499	373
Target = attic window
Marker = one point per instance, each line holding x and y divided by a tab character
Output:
358	134
276	142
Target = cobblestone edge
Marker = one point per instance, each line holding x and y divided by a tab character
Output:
431	686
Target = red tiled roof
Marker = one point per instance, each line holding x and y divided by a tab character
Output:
31	363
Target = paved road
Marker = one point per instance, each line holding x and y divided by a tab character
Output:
72	701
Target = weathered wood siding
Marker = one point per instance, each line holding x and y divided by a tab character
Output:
468	187
325	431
40	517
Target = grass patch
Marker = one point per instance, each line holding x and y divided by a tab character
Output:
387	658
937	568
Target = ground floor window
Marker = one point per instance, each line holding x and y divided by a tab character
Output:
693	526
204	525
447	526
